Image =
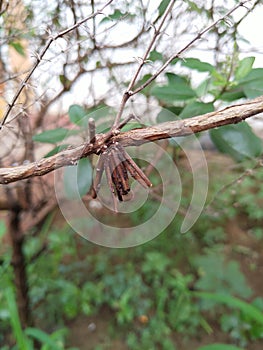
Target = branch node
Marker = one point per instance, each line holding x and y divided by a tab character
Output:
115	132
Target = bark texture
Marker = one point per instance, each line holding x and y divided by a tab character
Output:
229	115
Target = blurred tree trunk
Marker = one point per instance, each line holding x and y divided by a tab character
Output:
19	198
19	266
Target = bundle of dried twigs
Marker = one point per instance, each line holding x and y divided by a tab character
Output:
118	165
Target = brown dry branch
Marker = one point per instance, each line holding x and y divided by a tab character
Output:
118	166
135	137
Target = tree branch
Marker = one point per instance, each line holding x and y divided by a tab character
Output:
185	48
229	115
126	94
39	56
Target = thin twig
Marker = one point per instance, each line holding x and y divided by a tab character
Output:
108	172
126	95
237	180
134	170
39	57
179	53
98	175
147	52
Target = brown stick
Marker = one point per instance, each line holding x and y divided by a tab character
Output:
122	171
135	137
134	170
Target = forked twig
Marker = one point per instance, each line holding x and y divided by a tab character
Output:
126	95
131	92
39	56
179	53
98	175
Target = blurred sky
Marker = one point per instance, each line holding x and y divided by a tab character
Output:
252	29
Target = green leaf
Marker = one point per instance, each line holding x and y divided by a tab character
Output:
177	89
194	7
42	337
21	340
175	61
219	276
132	125
65	82
219	79
117	14
254	89
195	63
162	7
56	150
219	347
168	114
54	135
254	75
99	112
244	67
239	141
77	114
174	79
78	179
252	83
233	94
155	56
18	47
196	108
249	310
203	87
172	94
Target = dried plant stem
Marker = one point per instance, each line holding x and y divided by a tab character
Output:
121	174
135	137
108	172
39	56
98	175
92	130
117	165
134	170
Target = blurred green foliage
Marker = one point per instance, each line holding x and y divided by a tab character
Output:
175	284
